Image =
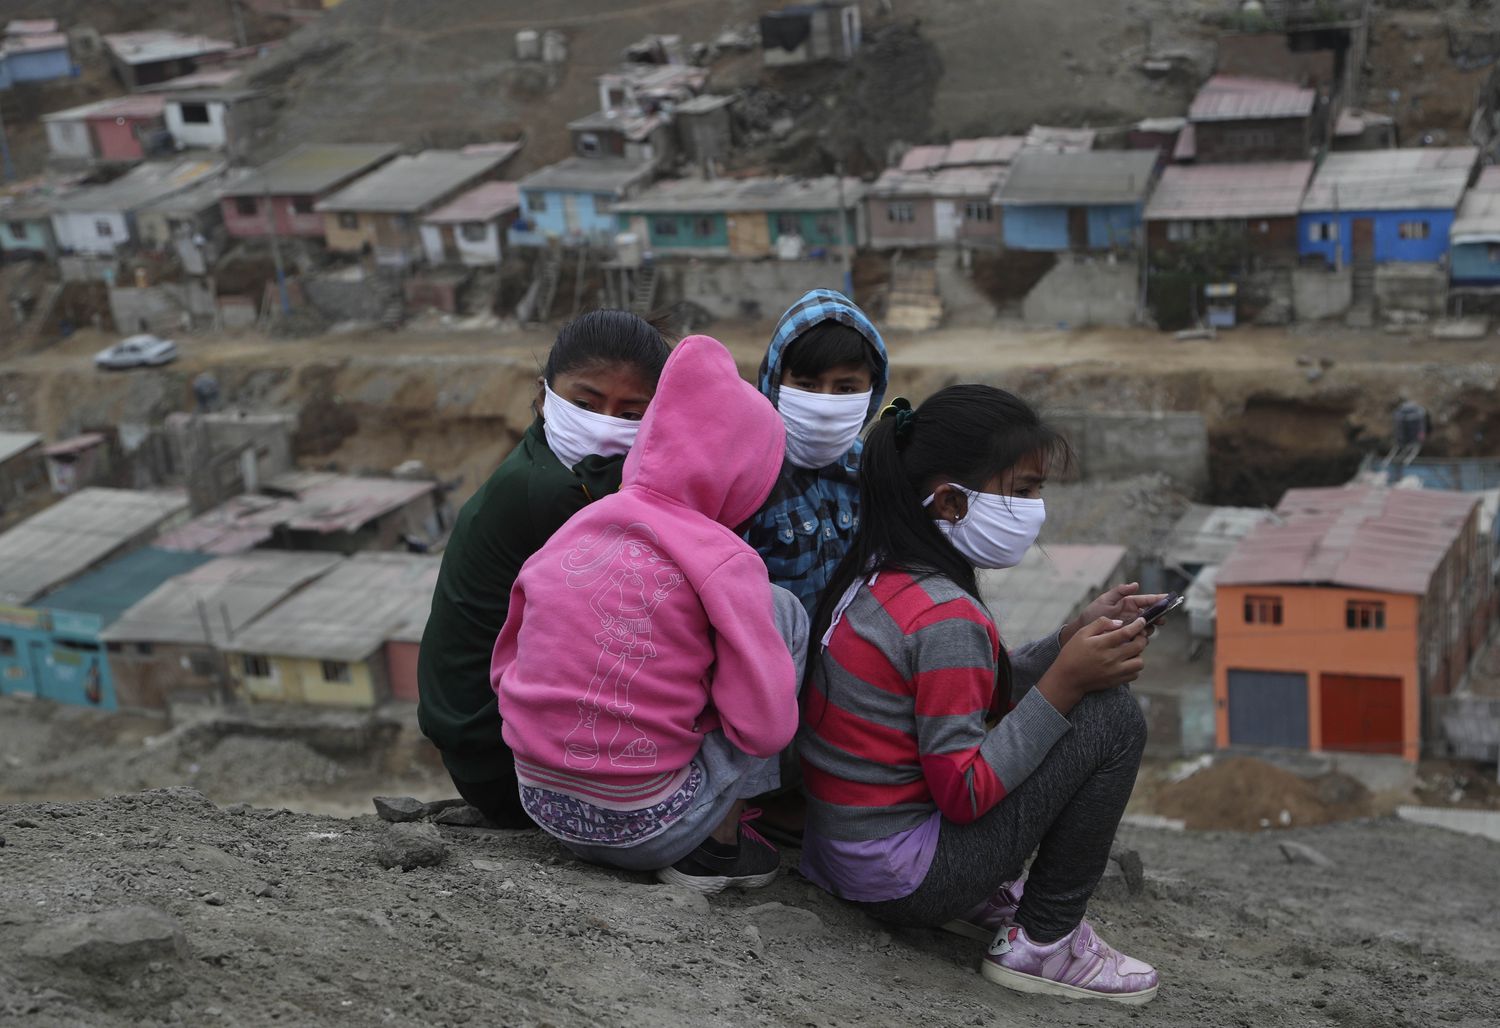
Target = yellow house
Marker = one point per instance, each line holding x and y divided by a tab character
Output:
325	646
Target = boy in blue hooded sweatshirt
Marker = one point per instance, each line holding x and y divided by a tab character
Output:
825	372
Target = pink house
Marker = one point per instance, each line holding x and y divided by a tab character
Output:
122	129
283	193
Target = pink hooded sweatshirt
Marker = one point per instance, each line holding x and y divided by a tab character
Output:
645	621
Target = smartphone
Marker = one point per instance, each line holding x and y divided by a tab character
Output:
1161	608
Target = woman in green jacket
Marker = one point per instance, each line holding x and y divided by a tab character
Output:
600	375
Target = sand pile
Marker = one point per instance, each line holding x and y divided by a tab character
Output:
1245	794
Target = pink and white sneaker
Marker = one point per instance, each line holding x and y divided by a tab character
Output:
1080	965
993	913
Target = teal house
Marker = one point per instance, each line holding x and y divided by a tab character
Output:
26	230
1474	236
750	217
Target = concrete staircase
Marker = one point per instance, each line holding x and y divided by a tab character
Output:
913	302
546	288
1362	303
643	299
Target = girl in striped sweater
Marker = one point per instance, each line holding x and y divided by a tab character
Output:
934	760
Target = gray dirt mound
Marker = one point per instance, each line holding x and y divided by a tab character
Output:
161	908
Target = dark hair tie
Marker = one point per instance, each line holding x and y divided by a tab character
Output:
900	409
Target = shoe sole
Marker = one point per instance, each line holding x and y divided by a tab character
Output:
710	884
1029	983
970	930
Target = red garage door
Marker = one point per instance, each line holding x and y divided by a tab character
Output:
1362	714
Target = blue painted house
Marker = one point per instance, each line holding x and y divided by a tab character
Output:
1474	237
26	229
572	201
750	217
1384	206
1090	200
34	52
53	649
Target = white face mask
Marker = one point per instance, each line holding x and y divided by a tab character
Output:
820	427
997	530
573	433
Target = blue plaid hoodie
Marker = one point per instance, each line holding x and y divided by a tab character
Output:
806	525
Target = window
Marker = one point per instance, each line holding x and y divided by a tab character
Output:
302	204
335	671
588	143
256	665
1179	231
603	200
17	229
900	213
664	227
195	114
144	649
827	226
1323	232
1262	610
474	231
978	210
7	646
115	647
703	228
402	221
788	225
202	664
1365	615
1494	253
536	203
348	220
1414	230
104	228
246	206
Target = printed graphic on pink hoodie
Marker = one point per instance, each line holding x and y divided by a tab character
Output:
645	621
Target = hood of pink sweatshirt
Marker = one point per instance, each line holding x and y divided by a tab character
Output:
645	621
704	442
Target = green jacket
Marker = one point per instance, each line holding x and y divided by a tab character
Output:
528	497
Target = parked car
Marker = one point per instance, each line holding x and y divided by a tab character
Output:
137	352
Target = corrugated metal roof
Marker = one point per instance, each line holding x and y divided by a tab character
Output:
704	104
947	182
349	612
13	444
483	203
154	45
1207	535
1478	219
963	152
635	127
138	105
1360	537
1385	180
141	185
108	591
74	444
1052	139
76	533
711	196
200	197
34	42
301	501
1230	98
589	175
409	185
1050	586
1213	191
208	78
314	168
1090	177
216	601
31	26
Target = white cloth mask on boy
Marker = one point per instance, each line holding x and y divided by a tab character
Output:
573	433
997	530
821	427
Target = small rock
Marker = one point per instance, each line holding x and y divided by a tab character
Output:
462	817
111	937
480	864
1298	853
25	822
2	842
214	899
436	807
778	919
1132	868
411	845
683	899
399	808
753	941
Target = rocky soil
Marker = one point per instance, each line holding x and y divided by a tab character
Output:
161	908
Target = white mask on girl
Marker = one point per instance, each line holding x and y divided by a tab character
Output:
821	427
573	433
997	530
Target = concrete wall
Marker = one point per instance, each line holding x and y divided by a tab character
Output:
1411	287
1125	443
70	138
347	296
753	290
1081	291
160	307
1319	293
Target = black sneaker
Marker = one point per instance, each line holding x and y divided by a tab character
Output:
715	866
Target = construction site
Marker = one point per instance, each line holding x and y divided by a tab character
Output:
354	228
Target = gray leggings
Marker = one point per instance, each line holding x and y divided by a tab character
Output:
1067	810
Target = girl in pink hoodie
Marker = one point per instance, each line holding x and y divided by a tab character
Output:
647	673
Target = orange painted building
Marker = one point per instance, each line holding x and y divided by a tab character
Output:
1340	620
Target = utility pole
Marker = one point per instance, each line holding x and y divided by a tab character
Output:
848	257
5	164
239	22
286	302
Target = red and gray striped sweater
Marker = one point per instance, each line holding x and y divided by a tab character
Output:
895	718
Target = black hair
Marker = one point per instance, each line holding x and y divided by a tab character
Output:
828	344
608	337
965	434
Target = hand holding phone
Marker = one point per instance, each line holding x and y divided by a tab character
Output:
1161	608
